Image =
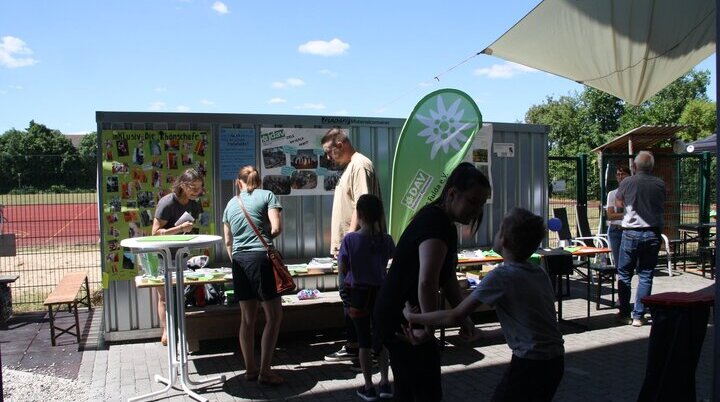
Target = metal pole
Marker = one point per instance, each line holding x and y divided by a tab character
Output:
716	310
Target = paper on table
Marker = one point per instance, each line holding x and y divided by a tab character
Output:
186	217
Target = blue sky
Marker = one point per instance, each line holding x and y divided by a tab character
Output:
60	61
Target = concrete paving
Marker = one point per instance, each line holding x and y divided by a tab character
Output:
604	361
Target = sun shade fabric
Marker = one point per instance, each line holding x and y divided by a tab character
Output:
630	49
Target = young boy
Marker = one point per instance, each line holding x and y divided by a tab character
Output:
522	296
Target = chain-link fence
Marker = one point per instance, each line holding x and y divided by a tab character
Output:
56	231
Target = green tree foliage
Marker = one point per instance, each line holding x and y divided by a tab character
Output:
40	157
581	122
700	118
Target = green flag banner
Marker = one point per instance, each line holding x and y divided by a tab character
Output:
434	140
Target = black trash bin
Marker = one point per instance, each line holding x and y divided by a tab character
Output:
679	324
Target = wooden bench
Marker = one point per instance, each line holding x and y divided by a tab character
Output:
66	293
219	322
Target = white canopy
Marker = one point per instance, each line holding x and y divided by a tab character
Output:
629	48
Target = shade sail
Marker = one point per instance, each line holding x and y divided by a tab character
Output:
629	48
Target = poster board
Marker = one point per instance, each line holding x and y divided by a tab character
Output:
293	162
480	152
138	168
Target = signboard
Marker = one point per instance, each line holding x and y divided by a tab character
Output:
434	140
138	168
294	163
237	149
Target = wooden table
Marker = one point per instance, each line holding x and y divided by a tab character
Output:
584	251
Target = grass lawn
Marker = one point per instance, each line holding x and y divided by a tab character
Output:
40	199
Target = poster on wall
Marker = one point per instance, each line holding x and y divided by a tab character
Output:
236	147
480	152
294	163
138	168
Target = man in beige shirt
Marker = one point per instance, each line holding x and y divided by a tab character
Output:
358	178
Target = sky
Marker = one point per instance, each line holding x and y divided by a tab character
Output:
61	61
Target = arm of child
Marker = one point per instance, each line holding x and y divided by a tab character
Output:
442	317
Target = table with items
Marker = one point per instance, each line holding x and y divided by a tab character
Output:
175	251
487	260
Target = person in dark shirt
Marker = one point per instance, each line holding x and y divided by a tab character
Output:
183	198
643	197
424	263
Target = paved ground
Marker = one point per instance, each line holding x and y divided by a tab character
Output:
604	362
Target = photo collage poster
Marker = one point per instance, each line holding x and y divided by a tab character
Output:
294	163
480	152
138	168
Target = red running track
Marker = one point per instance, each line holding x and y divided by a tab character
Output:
52	224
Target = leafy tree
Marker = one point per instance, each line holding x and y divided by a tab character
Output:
700	118
39	157
581	122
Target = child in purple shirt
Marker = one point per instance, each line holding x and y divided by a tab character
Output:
363	259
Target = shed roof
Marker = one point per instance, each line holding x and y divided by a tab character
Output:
643	137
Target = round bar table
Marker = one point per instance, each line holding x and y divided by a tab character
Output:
175	250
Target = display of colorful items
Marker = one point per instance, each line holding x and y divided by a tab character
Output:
138	168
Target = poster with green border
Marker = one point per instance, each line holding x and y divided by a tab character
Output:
138	168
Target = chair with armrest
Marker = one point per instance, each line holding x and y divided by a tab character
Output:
601	268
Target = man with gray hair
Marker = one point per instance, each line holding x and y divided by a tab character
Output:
643	197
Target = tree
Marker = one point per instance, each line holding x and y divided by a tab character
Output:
581	122
39	157
700	118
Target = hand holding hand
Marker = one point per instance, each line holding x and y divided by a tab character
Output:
410	309
414	336
469	333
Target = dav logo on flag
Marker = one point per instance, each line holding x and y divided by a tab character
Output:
434	140
417	190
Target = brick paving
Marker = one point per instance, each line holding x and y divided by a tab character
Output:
604	361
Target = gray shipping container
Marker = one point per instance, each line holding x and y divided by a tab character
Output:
520	180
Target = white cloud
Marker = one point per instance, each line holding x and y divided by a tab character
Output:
16	87
220	8
342	112
315	106
505	70
424	84
277	100
206	102
288	83
160	89
3	92
182	108
12	47
335	47
156	106
329	73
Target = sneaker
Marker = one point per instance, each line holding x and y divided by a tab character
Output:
623	319
342	354
367	394
639	322
385	391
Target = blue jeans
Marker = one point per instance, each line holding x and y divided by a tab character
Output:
615	237
638	251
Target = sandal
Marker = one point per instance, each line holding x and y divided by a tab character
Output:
163	340
270	379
